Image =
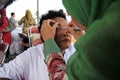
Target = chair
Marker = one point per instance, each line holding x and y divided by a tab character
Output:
34	36
25	40
3	50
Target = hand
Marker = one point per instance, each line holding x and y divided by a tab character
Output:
48	31
76	33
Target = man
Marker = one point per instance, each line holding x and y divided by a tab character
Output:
15	47
12	19
30	64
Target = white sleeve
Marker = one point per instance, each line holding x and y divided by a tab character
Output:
15	69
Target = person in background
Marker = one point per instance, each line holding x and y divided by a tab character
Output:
15	47
12	19
27	21
4	24
97	55
30	65
37	17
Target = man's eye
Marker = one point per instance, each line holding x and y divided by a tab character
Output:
58	28
59	24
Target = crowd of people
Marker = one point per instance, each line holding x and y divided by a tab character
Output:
9	24
95	55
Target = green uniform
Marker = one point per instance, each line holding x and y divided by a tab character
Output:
97	55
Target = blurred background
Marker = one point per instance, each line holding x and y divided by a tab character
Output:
20	6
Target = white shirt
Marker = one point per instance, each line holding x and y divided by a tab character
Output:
29	65
15	47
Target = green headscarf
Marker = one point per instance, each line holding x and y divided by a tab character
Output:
87	11
97	55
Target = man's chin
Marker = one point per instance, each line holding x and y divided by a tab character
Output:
65	45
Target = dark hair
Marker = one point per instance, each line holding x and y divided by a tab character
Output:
12	13
51	15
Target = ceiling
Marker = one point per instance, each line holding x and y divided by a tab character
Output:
5	3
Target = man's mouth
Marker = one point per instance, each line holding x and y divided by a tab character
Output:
66	40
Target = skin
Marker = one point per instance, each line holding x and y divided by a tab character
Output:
75	23
46	28
83	27
62	35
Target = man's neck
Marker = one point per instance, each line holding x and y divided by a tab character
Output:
63	52
12	17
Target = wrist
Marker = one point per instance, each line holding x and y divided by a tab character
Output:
47	38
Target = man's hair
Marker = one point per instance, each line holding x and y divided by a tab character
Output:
51	15
12	13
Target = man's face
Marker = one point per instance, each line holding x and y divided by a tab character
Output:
62	37
13	16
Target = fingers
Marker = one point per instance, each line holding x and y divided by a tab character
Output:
75	33
71	24
70	30
55	25
48	29
50	23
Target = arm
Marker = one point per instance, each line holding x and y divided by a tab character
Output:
15	69
21	21
54	60
50	45
13	21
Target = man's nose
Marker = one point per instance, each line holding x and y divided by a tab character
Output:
66	31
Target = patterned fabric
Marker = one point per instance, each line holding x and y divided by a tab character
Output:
56	66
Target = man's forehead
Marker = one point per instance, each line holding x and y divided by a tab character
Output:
61	21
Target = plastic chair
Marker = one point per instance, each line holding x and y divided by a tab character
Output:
34	36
